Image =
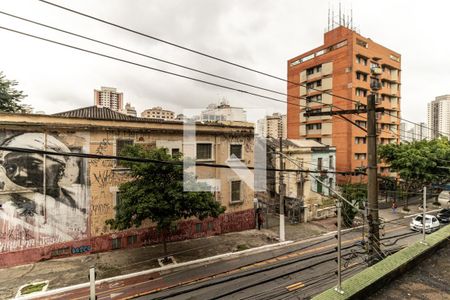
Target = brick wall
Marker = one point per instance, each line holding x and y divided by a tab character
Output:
231	222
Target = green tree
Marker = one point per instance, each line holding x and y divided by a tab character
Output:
10	98
155	193
356	194
419	163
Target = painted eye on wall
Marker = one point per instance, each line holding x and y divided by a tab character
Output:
11	169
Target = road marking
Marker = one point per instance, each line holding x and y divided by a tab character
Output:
295	286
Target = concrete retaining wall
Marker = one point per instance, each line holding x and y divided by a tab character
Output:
373	278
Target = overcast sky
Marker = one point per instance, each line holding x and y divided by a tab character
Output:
255	33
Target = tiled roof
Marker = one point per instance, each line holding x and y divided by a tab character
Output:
97	113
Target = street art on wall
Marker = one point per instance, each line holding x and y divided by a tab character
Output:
43	198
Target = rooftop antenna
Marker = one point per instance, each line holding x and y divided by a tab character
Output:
328	17
343	16
332	17
340	18
351	17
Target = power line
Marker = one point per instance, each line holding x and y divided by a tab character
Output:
183	47
208	55
186	67
144	55
181	66
141	65
147	160
147	67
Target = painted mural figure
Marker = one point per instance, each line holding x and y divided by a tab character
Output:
43	200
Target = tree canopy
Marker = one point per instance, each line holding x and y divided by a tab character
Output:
10	98
419	163
356	194
155	193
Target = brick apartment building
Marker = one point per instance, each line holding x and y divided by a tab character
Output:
66	213
342	66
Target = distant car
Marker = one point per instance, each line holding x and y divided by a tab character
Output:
431	223
444	215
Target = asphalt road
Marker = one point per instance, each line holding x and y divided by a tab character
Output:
303	271
297	271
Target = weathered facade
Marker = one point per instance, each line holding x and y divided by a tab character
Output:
304	190
53	206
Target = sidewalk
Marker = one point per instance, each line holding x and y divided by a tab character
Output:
388	215
74	270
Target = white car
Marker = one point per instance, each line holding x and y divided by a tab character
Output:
431	223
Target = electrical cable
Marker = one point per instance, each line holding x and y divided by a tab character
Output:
146	160
158	59
185	48
211	56
182	66
252	272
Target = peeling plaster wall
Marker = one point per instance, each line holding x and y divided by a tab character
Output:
44	199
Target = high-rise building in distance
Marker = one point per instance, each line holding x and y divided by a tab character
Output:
339	70
129	110
223	112
439	117
108	97
274	126
158	113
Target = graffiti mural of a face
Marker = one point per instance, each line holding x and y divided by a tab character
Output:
55	201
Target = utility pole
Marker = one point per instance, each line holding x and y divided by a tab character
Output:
92	283
372	186
338	288
339	202
281	190
424	206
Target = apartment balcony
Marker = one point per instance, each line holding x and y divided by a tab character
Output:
394	119
394	104
326	84
326	69
327	99
327	128
359	148
394	89
314	131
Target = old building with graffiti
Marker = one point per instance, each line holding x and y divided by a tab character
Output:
56	205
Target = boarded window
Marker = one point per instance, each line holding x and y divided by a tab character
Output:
116	243
236	150
236	191
319	187
204	151
132	239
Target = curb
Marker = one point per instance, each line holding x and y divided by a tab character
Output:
164	269
375	277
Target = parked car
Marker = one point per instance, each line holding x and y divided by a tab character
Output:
444	215
431	223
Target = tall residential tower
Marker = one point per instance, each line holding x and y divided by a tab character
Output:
439	117
108	97
339	70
